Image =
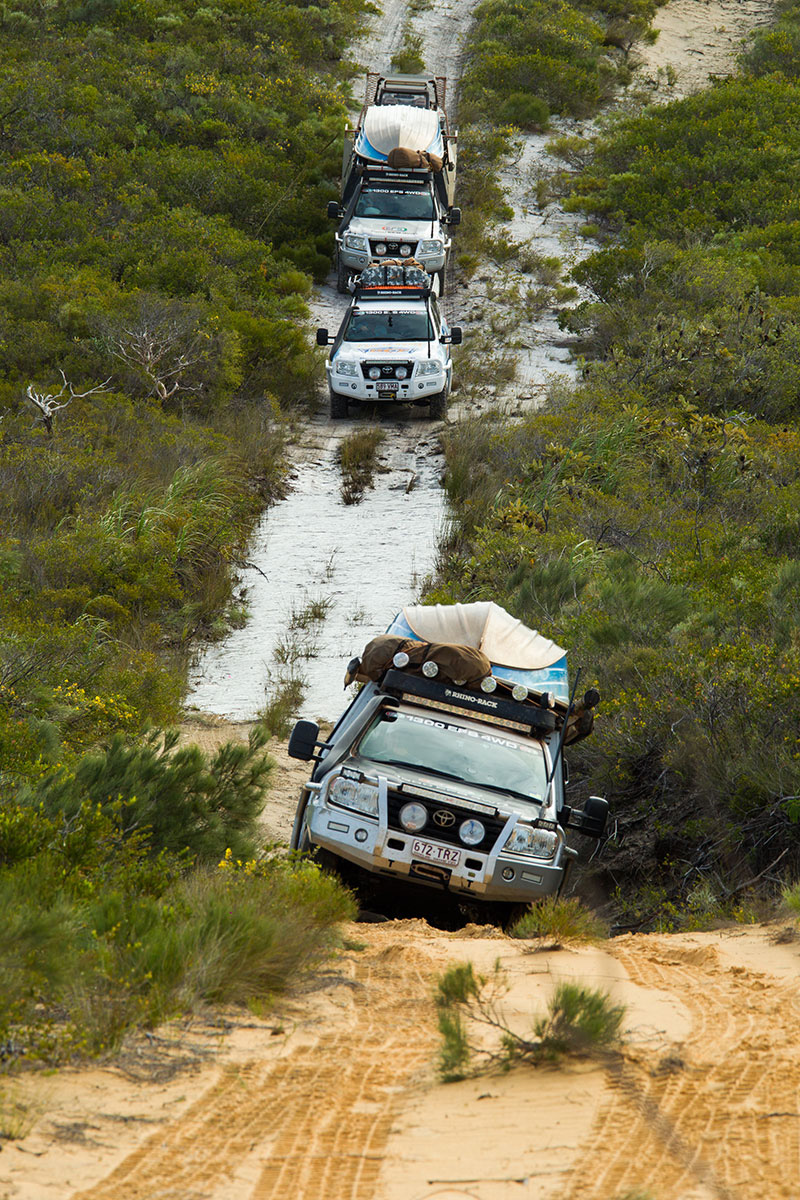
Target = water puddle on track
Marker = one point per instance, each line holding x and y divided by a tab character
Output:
363	561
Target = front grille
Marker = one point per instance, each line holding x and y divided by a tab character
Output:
449	834
387	370
392	248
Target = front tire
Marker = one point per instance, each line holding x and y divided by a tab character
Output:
337	405
342	276
300	840
440	275
438	406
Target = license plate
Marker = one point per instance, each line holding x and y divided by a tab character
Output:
432	853
387	387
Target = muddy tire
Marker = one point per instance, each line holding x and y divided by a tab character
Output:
337	405
342	276
438	406
440	275
299	840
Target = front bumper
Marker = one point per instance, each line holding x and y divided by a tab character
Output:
358	388
369	844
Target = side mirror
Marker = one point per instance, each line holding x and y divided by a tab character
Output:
334	212
303	741
455	336
322	337
454	216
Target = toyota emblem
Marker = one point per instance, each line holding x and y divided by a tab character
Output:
443	818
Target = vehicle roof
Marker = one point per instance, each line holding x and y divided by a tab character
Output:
389	304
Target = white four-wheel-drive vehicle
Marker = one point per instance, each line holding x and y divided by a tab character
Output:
446	772
393	343
398	179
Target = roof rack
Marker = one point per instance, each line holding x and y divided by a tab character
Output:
532	716
393	279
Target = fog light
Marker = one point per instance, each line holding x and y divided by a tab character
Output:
405	251
380	248
519	691
374	373
430	669
489	684
401	659
361	835
413	816
508	872
547	700
472	832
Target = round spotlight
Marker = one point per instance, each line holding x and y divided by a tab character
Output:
519	691
430	669
547	700
413	816
471	832
489	684
380	248
405	251
401	372
401	659
374	372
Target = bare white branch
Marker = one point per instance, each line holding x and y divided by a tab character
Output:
48	404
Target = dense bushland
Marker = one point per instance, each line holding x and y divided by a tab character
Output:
131	889
163	180
162	193
528	58
648	517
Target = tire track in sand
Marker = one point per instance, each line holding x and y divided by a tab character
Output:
719	1119
311	1125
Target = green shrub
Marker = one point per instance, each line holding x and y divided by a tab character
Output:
557	921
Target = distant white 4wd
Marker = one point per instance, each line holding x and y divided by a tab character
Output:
393	344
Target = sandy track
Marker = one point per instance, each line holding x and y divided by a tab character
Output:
311	1125
719	1116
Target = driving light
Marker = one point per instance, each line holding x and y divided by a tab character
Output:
547	700
489	684
380	247
401	659
374	372
430	669
349	793
413	817
401	372
471	832
519	691
539	843
405	251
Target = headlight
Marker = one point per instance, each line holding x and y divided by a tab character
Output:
346	368
374	372
471	832
540	843
405	250
413	816
430	367
354	241
350	793
432	247
380	247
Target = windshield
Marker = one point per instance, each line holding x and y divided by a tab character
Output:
405	206
389	327
485	759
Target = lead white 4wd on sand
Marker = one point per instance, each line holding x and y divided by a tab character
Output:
393	343
427	785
